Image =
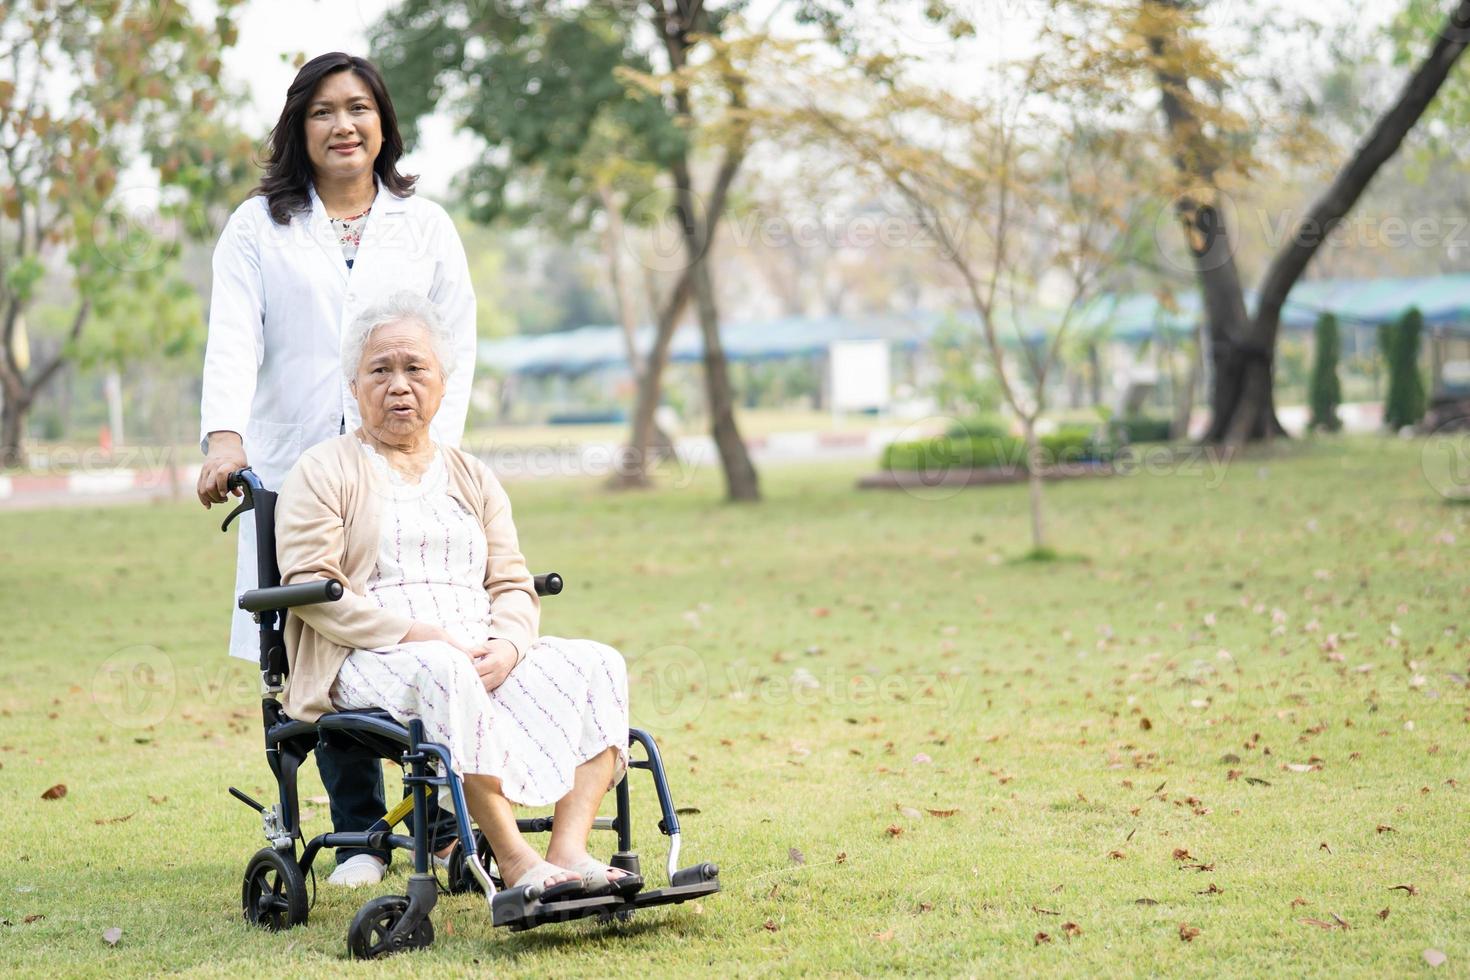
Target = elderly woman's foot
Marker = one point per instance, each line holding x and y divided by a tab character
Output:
528	869
599	878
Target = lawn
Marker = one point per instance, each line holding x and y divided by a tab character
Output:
1237	714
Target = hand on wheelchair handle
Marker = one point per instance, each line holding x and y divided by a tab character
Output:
226	456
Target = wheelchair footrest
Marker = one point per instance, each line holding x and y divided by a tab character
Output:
689	883
515	911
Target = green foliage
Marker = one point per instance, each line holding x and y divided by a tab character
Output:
1141	428
1406	402
978	427
984	450
1325	390
90	91
557	114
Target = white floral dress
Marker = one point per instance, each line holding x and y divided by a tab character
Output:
564	704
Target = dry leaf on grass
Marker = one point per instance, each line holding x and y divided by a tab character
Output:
894	830
1071	930
55	793
1040	938
908	811
770	925
1434	957
886	936
1383	913
101	821
34	917
112	936
1187	932
942	812
1319	923
796	856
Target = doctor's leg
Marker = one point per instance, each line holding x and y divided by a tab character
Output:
353	777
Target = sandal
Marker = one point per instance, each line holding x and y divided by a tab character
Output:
596	881
533	878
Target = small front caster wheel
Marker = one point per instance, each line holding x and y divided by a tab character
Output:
370	934
274	894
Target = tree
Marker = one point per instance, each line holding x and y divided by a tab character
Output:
562	72
1325	391
1209	143
84	89
1026	206
1400	344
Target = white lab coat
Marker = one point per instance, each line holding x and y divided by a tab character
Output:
282	300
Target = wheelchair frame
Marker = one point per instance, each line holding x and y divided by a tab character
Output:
274	891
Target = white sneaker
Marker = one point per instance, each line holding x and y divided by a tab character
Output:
358	870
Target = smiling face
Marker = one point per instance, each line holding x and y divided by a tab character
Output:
343	130
399	382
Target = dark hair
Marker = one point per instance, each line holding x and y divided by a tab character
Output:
288	172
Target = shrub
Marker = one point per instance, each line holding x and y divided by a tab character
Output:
978	427
943	453
1325	391
1142	428
1405	403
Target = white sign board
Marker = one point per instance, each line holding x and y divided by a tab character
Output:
858	375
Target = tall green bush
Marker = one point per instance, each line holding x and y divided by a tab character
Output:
1325	390
1405	403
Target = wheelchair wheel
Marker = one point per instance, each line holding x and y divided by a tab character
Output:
368	937
274	894
461	878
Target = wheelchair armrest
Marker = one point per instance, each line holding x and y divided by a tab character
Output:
549	583
286	596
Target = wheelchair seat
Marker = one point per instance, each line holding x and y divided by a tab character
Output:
274	891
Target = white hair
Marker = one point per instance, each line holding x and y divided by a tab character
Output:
395	308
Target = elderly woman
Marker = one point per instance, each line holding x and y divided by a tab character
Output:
438	620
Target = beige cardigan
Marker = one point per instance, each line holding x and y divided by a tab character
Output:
327	527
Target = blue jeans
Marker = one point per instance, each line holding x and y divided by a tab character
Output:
353	777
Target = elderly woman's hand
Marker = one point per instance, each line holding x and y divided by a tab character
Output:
494	660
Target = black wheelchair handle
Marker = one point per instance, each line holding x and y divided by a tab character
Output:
287	596
548	583
244	480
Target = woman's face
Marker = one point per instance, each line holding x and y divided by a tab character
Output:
399	382
343	130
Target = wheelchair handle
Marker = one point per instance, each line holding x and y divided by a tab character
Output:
244	480
549	583
286	596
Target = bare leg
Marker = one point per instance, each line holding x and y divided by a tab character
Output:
493	813
572	820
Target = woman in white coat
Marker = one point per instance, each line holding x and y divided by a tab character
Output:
332	227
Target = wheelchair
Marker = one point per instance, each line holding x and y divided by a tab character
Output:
274	893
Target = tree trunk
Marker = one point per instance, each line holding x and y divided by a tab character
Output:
1094	374
1244	349
649	443
12	429
650	384
741	482
677	27
1033	485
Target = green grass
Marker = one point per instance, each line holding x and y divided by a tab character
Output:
811	665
